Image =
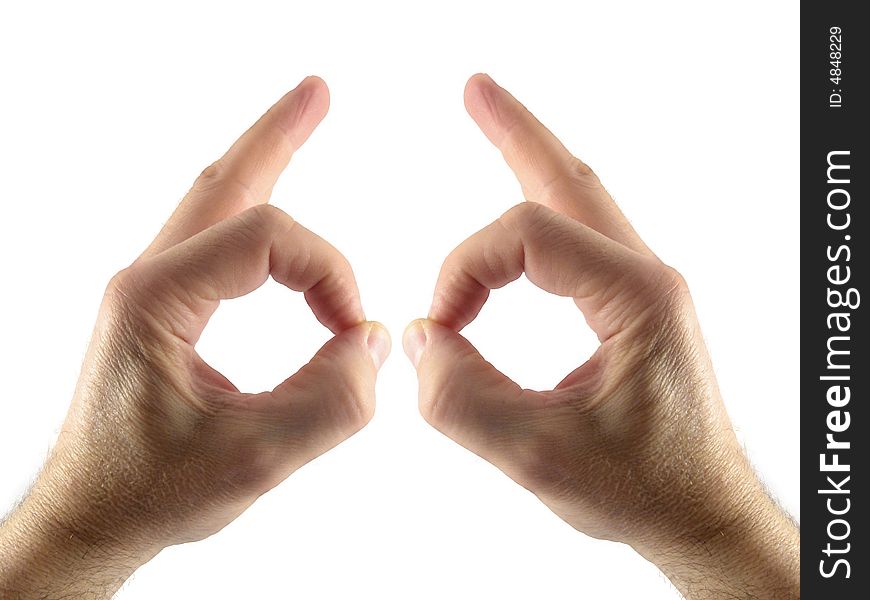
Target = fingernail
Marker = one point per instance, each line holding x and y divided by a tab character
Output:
378	342
414	341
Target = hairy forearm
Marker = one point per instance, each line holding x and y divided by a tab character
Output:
44	555
756	555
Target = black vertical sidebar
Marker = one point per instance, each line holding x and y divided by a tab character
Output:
834	369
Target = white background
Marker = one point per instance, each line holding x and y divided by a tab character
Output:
688	112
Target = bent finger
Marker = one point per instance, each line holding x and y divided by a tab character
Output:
236	256
608	281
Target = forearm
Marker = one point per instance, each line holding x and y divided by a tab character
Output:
756	555
44	555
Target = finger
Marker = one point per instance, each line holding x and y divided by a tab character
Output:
548	173
333	396
609	282
245	175
185	283
465	397
325	402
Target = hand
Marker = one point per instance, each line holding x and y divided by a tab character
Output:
633	446
158	448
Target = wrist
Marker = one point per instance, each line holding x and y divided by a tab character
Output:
50	546
742	546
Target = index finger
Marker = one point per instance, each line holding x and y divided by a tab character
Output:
246	174
186	283
548	173
611	284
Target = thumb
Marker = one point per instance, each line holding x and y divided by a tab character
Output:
467	398
330	398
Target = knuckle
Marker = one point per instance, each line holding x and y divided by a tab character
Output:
533	221
660	296
580	170
259	222
672	283
138	303
525	214
123	286
670	324
219	177
266	216
124	313
210	177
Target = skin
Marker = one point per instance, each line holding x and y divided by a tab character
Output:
158	448
634	445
